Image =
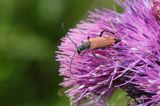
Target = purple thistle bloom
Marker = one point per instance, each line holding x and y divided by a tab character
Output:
133	64
141	25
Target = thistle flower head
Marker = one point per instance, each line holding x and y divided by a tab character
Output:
132	64
143	39
91	74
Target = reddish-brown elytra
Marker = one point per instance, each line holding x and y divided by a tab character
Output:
99	42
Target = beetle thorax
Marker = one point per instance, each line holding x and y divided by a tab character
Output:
83	46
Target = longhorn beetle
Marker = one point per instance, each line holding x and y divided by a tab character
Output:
99	42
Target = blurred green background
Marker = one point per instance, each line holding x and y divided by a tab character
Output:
30	31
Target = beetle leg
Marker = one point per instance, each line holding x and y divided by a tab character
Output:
82	53
101	33
88	37
105	31
94	54
103	48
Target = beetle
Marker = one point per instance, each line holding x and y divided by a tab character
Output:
99	42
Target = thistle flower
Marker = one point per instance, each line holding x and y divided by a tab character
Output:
132	64
143	30
90	77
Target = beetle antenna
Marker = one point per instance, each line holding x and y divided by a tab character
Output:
70	66
68	35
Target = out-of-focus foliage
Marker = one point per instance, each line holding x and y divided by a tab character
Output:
30	31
